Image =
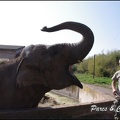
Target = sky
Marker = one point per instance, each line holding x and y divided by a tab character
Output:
21	21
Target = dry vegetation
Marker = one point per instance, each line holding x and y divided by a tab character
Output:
53	100
2	60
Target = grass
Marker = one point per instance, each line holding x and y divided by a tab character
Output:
87	78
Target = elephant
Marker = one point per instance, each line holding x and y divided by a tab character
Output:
41	68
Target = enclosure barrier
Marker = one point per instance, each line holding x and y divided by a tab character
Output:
77	111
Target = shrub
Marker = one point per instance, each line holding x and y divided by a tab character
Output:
105	64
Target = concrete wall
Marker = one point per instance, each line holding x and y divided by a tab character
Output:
87	94
72	92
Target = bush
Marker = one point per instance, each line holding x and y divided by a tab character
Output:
105	64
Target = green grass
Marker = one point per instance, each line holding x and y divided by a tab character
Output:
87	78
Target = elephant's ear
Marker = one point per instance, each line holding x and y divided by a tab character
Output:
27	76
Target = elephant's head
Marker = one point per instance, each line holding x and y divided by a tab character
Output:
49	66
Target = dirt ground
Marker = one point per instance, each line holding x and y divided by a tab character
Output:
53	100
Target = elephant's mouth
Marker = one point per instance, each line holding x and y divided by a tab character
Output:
74	79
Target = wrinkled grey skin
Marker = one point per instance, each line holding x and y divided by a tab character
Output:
41	68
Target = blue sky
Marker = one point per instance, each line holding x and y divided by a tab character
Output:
21	21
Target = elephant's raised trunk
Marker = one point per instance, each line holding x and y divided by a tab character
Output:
80	50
